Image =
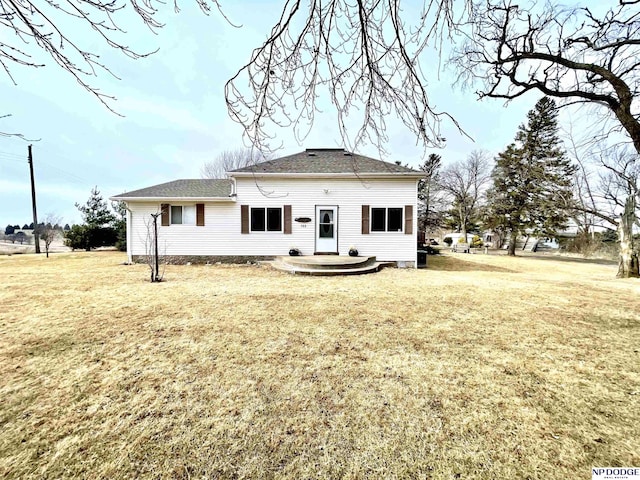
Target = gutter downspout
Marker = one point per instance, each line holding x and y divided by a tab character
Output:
415	227
128	233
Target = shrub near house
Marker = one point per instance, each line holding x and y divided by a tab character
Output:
98	229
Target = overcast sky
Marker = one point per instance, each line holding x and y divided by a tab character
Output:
175	118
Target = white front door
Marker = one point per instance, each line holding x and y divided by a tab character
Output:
326	229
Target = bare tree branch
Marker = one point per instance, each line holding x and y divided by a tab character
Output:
465	182
16	135
38	27
230	160
366	56
570	54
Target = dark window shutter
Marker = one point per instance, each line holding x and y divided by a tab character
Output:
200	214
365	219
287	219
408	219
244	218
164	209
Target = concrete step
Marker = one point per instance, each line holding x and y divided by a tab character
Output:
322	265
326	272
324	262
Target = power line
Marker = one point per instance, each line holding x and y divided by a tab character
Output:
20	159
12	154
11	159
72	176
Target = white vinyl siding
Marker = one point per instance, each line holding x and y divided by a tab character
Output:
221	234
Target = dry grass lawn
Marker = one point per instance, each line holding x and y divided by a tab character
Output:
478	367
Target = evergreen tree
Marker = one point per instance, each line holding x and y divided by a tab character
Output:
429	194
95	212
532	179
120	225
97	230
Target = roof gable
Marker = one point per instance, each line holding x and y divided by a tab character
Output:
325	161
186	188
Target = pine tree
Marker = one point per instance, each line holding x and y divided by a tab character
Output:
97	230
532	179
120	225
429	194
95	212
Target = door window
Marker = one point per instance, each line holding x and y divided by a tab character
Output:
326	224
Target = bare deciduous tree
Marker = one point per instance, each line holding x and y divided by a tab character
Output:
48	231
464	182
230	160
606	180
620	190
585	195
152	249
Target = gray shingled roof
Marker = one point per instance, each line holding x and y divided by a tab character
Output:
196	188
325	160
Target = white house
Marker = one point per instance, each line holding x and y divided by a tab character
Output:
320	201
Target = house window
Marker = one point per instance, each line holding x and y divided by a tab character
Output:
266	219
183	214
386	219
394	220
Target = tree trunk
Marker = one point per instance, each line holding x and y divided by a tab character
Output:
512	244
463	227
628	262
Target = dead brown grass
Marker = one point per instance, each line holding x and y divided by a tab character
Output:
478	367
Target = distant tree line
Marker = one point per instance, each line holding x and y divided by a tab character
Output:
11	229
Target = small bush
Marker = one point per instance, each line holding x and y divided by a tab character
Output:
77	238
86	237
121	235
476	242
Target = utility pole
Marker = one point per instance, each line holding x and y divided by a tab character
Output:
36	235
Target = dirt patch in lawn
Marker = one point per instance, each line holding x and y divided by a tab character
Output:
479	366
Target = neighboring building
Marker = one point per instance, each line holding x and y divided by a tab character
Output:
320	201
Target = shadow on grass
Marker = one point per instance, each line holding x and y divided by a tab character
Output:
560	258
447	263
